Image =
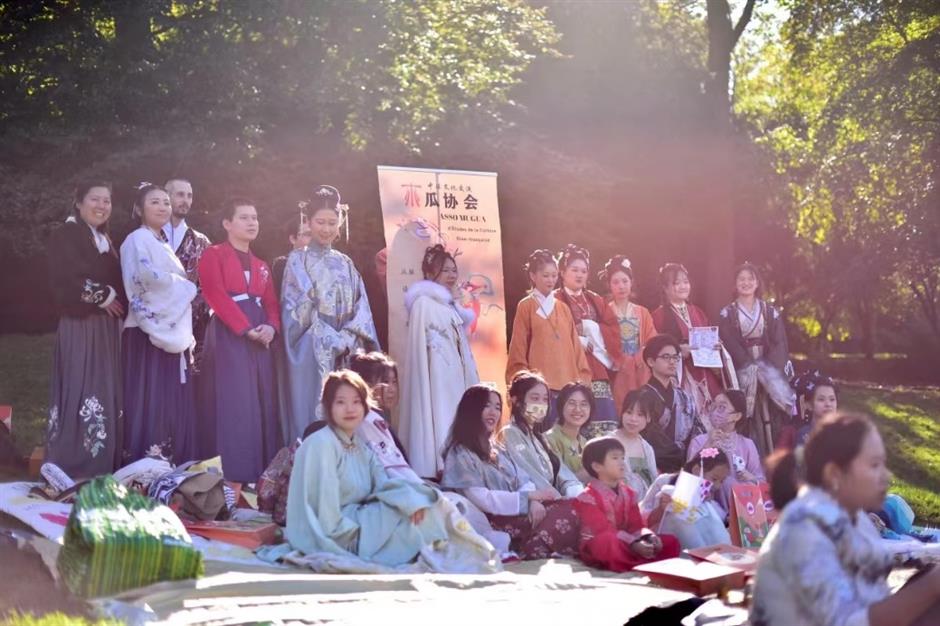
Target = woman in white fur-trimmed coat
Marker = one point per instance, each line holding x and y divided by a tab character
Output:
439	365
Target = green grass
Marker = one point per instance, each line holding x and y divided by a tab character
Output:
52	619
909	419
25	368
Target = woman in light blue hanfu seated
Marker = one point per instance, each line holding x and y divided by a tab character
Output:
342	502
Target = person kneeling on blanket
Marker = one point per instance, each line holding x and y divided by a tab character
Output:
613	536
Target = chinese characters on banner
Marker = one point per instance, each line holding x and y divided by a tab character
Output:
422	207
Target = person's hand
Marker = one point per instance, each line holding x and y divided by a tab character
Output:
418	516
642	549
746	477
254	335
685	350
115	309
536	513
266	333
664	500
657	543
541	495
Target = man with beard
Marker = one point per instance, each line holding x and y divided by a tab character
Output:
188	244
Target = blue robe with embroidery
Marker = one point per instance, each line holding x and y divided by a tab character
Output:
325	318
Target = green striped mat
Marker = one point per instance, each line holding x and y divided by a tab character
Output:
117	539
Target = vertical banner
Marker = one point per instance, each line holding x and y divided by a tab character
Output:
423	207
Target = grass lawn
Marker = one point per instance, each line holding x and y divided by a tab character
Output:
909	418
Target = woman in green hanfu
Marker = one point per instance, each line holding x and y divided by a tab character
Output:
342	502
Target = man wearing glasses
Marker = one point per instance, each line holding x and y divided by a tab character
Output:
679	421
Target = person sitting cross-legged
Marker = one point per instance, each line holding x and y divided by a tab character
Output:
613	535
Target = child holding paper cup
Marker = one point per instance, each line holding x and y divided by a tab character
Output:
683	505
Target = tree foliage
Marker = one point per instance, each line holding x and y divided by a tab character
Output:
845	104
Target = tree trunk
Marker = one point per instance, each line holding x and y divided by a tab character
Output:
723	36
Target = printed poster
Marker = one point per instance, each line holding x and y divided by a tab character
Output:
423	207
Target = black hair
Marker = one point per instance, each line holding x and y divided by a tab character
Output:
646	401
737	398
668	274
335	380
81	190
374	367
571	253
538	259
836	438
291	226
566	392
750	267
433	262
467	429
618	263
707	463
520	385
596	451
807	384
656	344
324	197
313	427
140	195
231	205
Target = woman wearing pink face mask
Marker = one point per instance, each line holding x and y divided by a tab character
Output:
725	412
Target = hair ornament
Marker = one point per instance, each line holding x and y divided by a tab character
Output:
708	453
143	184
625	264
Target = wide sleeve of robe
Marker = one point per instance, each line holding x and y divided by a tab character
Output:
342	501
158	292
730	336
463	473
315	520
519	342
315	343
212	281
439	367
78	285
778	349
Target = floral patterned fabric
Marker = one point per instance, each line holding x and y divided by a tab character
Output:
325	317
84	432
820	566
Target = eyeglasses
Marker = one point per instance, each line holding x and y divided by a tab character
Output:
669	357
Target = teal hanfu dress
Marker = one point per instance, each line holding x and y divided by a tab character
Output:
341	500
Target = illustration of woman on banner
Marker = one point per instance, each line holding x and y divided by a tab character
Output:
439	365
325	313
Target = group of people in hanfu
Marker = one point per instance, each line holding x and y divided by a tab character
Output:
171	346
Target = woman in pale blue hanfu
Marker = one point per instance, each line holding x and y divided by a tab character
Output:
325	315
342	502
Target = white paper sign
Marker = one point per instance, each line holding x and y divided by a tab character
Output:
703	341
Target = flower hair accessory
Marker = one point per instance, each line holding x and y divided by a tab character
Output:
625	264
706	453
142	184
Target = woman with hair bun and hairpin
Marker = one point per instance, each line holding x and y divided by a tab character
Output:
598	331
544	336
159	397
83	435
439	365
325	314
636	327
